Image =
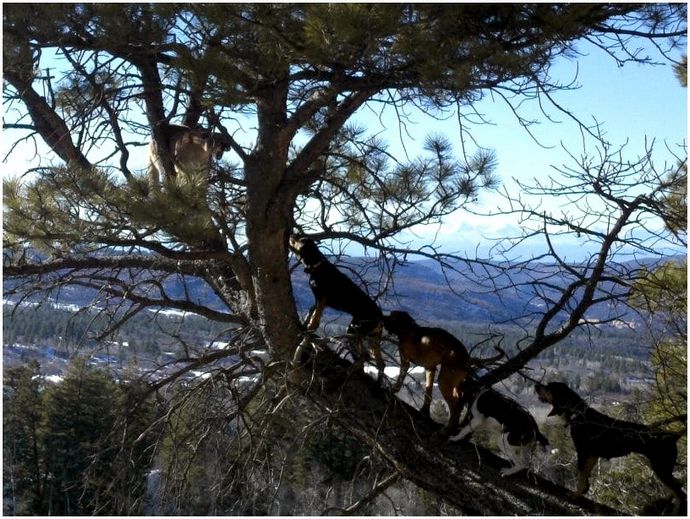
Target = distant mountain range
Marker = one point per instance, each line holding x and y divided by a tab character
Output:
470	293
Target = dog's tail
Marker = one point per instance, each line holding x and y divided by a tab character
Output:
683	418
481	363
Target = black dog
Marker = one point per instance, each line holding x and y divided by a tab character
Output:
334	289
596	435
520	430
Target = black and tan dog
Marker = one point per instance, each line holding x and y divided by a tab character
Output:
431	347
596	435
332	288
520	433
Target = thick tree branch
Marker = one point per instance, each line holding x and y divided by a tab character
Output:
87	271
89	263
297	172
47	123
464	475
123	291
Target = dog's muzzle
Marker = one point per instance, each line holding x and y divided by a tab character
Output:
295	244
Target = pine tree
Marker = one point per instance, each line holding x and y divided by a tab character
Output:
79	415
132	440
22	447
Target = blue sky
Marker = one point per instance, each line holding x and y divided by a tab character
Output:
632	103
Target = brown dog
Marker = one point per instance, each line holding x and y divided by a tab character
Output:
431	347
596	435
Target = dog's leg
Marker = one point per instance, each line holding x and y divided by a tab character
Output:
518	455
314	316
584	467
449	383
357	350
475	423
307	320
298	357
464	433
519	464
662	463
404	366
429	374
375	350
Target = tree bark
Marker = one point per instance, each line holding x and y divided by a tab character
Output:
277	314
269	221
464	475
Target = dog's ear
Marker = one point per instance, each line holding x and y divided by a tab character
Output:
563	394
307	251
393	321
542	393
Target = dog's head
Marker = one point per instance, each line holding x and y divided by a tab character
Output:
398	322
306	251
564	400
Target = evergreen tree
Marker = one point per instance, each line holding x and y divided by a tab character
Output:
80	446
22	448
197	455
297	72
79	415
132	441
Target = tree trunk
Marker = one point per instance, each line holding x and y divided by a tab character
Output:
269	222
465	475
